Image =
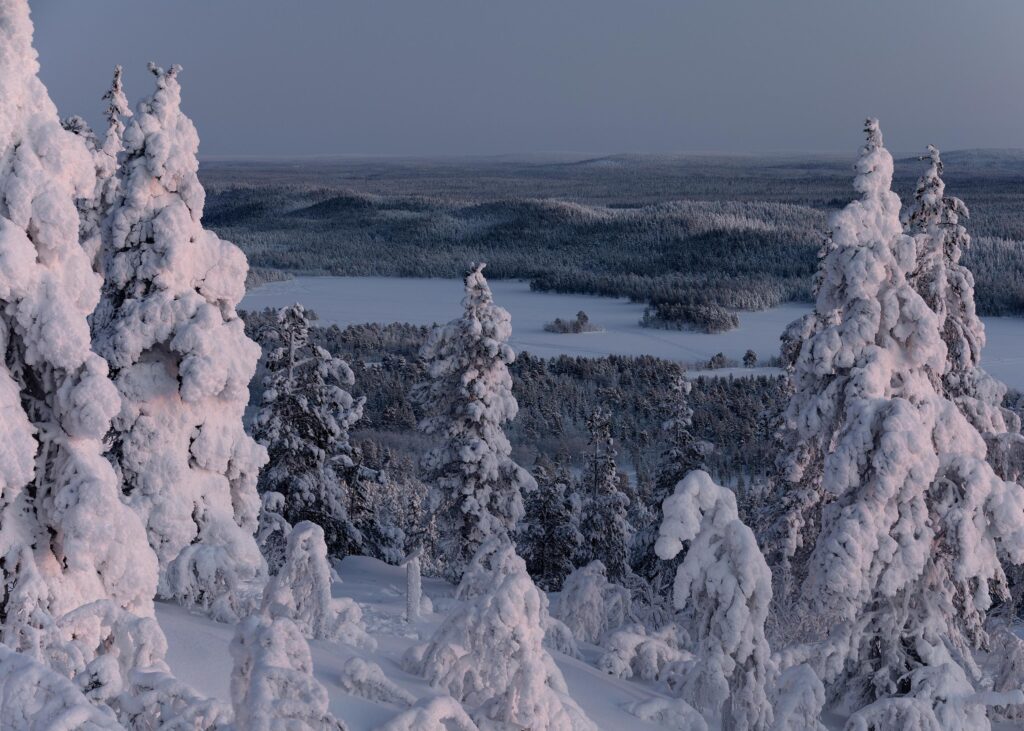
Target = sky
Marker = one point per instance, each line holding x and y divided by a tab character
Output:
283	78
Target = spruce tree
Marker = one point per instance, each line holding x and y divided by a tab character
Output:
476	486
935	221
913	521
682	454
167	325
549	539
304	423
67	538
605	526
724	586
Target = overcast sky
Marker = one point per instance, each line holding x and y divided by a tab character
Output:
437	77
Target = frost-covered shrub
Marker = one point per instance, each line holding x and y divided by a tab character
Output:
590	605
724	585
632	653
177	350
301	590
67	537
798	700
35	698
559	638
367	680
440	713
117	659
272	684
670	713
489	655
476	487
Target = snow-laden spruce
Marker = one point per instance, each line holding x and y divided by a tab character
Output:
476	487
605	526
935	221
549	537
914	520
182	363
725	588
591	606
681	456
94	209
67	538
272	684
301	591
304	423
489	653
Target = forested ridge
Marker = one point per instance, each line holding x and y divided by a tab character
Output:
736	232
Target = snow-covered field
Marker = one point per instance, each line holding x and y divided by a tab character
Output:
353	300
198	652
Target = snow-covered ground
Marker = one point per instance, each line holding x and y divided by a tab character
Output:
354	300
198	652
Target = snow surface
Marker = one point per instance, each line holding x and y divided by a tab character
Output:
198	652
355	300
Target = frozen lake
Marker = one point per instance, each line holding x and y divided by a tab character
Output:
355	300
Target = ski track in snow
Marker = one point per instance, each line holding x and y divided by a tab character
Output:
198	652
355	300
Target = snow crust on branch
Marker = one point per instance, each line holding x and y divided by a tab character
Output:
35	698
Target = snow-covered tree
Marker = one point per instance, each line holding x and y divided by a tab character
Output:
633	652
379	504
591	606
367	680
432	714
489	653
273	530
272	684
35	698
605	525
178	353
92	210
549	539
725	587
682	455
798	700
476	487
304	423
67	538
301	591
935	221
913	519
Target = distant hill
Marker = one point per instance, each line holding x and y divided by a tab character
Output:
1005	161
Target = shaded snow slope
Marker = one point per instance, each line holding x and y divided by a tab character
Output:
198	652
